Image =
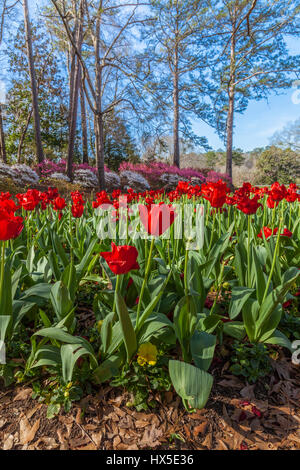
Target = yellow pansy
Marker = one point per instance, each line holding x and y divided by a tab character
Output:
147	354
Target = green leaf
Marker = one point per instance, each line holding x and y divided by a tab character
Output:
184	321
59	249
239	264
193	385
250	315
127	328
108	369
82	267
70	353
47	355
61	300
235	329
40	293
259	276
69	279
239	297
202	349
154	327
6	293
156	298
4	324
106	331
279	338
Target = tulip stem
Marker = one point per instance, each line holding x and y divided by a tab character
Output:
144	281
71	236
2	270
116	292
274	261
248	252
212	232
186	287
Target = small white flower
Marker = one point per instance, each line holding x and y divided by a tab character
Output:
134	180
6	171
60	177
24	175
112	180
85	178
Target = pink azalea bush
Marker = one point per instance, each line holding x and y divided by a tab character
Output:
156	173
156	169
48	167
214	177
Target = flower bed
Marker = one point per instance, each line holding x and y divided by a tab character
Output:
165	294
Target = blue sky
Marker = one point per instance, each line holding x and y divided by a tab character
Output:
257	124
255	127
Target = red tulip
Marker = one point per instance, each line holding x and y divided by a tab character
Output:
157	218
271	203
248	206
215	193
121	259
286	233
267	231
29	200
77	210
77	198
277	192
59	203
10	226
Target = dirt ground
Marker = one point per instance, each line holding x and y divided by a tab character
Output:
237	416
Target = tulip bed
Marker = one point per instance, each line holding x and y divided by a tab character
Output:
157	310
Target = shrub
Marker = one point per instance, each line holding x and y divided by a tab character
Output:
214	176
24	175
131	179
59	177
6	171
154	170
86	178
48	167
276	164
112	180
7	184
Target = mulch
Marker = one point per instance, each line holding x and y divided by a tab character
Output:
238	416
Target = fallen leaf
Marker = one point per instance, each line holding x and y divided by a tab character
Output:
200	429
28	432
8	443
23	394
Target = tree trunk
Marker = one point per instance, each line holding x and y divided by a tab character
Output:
85	154
74	94
36	115
229	132
22	137
2	139
176	152
99	134
230	115
73	123
99	137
